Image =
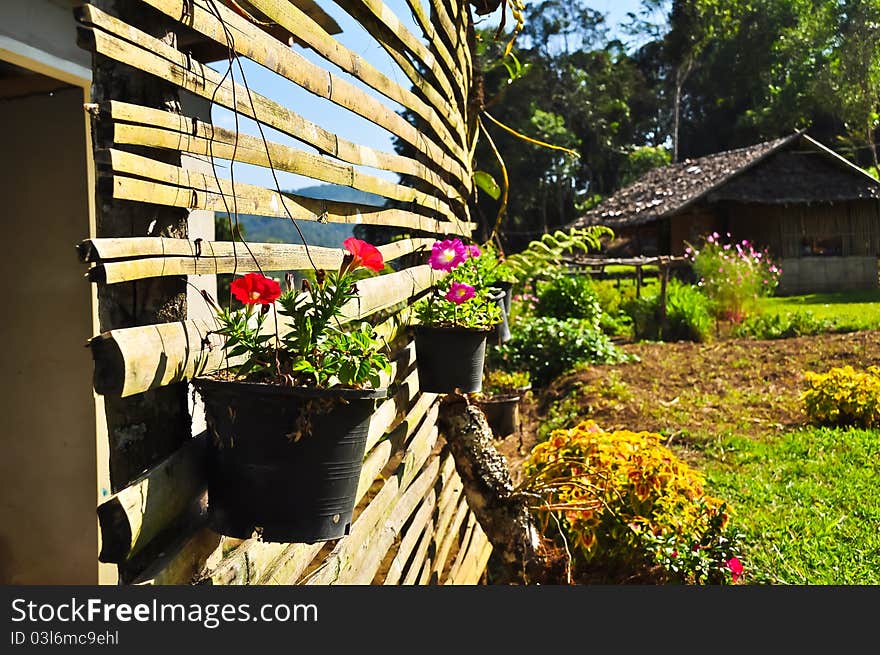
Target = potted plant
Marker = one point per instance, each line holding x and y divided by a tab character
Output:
500	400
454	321
288	416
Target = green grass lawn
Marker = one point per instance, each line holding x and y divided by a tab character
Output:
810	504
848	310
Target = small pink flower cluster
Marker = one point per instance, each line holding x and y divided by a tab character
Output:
733	273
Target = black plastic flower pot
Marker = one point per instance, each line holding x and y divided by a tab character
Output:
502	414
501	331
284	461
507	288
450	360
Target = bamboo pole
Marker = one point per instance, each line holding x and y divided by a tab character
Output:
410	538
452	534
250	198
392	45
411	576
117	40
463	547
386	18
248	40
132	360
452	65
219	143
206	260
269	203
131	518
289	16
364	567
184	561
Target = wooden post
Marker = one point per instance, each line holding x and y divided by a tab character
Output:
664	279
638	280
145	428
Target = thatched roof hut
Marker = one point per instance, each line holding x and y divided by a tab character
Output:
816	212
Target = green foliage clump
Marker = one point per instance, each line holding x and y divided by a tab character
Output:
627	502
843	396
782	326
547	252
547	347
688	315
641	160
569	296
499	382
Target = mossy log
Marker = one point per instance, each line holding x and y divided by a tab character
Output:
502	512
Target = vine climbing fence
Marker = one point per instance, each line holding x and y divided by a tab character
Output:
161	70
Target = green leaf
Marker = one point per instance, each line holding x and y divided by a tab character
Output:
488	184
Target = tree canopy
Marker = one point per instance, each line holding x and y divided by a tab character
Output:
680	78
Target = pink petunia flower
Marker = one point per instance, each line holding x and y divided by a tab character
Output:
459	293
474	251
447	254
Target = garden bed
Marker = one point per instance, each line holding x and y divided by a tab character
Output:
733	409
693	392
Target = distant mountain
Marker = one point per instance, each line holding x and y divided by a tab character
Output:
340	194
265	229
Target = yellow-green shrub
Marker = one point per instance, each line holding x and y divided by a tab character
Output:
843	396
624	499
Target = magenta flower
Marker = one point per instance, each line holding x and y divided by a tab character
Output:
459	293
735	567
474	251
447	254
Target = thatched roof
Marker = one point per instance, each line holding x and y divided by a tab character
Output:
793	169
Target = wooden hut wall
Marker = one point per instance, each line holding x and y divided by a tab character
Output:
157	158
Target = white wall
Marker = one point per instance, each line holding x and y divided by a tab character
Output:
44	33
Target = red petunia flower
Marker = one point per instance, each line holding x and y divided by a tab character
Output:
256	289
736	568
363	254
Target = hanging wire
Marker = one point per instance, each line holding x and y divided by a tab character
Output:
233	57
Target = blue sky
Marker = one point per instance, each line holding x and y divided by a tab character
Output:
331	117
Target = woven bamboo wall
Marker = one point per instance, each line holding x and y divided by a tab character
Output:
412	524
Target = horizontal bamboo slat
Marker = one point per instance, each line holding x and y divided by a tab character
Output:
474	561
444	545
410	571
409	42
174	186
247	39
117	40
148	191
215	257
131	518
185	134
420	556
184	561
456	64
411	536
289	16
133	360
463	546
387	511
